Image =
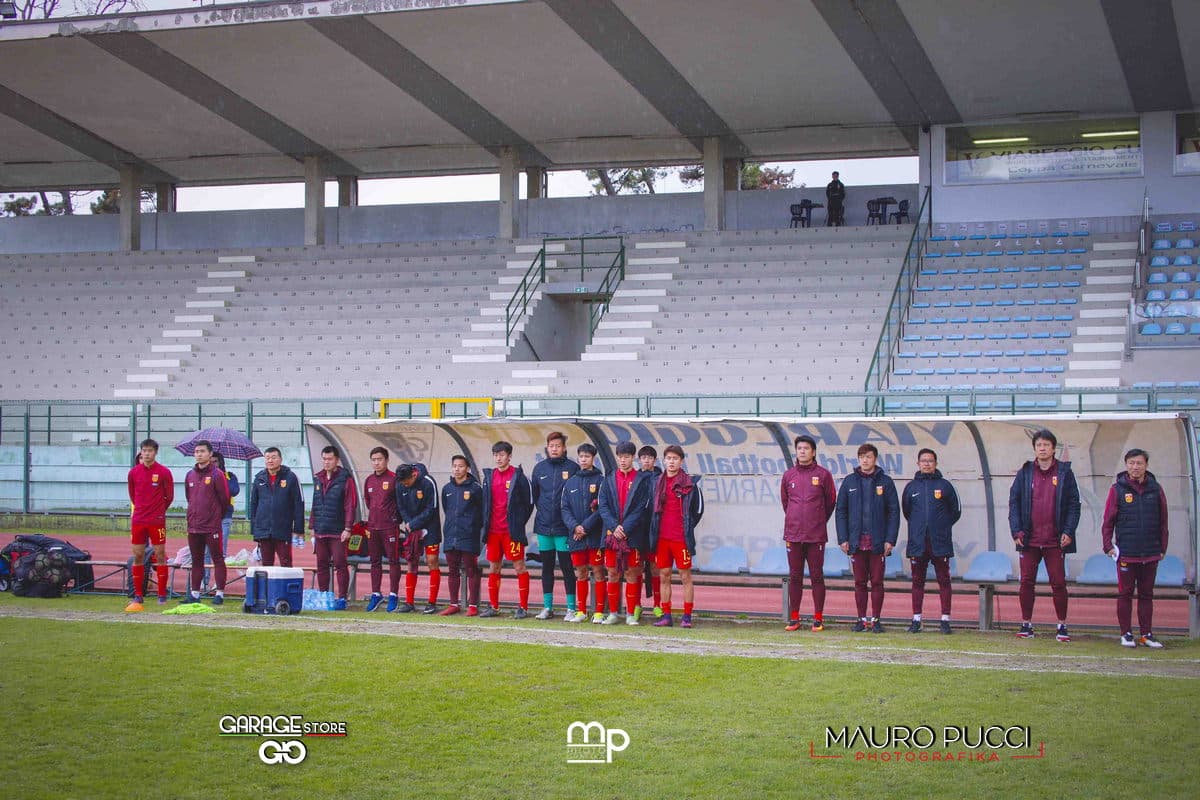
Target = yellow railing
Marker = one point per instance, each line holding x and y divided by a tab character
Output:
436	405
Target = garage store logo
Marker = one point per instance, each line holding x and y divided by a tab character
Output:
283	737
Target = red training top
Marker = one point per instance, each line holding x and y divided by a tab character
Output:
501	483
670	529
1045	507
379	492
624	482
151	492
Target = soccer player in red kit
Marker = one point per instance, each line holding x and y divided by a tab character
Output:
507	506
379	495
151	492
677	505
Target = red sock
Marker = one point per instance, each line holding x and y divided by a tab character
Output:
687	608
523	590
139	577
435	583
614	596
666	607
494	590
602	597
163	577
410	587
581	594
656	589
631	597
817	617
795	616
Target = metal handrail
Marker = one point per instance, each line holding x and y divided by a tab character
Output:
535	276
898	305
608	286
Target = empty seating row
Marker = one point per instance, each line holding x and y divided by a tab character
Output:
1185	226
983	237
1033	251
1025	301
1185	243
998	388
995	270
1171	329
1007	286
1160	295
998	319
1182	276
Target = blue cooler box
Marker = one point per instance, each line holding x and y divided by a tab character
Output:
274	590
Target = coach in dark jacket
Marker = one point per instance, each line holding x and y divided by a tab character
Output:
276	510
1043	513
931	507
868	523
462	506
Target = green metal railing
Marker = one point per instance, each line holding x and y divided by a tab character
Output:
583	247
897	312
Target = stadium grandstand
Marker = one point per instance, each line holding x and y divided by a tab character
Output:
1042	270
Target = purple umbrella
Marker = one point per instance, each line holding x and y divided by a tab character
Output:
226	441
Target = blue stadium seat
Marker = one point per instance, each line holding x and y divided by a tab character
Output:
1187	226
1161	244
953	253
958	237
773	562
971	271
1034	252
994	253
729	559
989	567
1163	227
975	337
1175	329
1074	267
1181	277
1151	329
1077	250
1155	296
1041	576
978	237
1015	252
1185	244
1056	368
990	270
1157	277
937	238
1160	261
1183	261
1179	294
933	254
1053	268
902	372
837	563
1171	572
973	253
1058	251
1098	570
1018	235
1194	329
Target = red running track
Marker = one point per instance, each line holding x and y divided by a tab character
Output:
759	596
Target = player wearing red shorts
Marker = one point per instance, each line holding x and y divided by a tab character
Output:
151	491
677	505
507	506
624	509
581	516
417	502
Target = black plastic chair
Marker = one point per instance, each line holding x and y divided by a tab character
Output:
900	213
801	214
874	213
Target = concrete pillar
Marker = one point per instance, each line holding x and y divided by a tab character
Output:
314	201
535	183
733	174
347	191
509	187
164	198
131	207
714	184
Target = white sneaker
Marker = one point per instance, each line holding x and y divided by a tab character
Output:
1149	641
578	616
545	614
630	619
613	618
597	618
1127	640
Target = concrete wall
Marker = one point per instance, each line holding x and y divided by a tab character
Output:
1100	197
555	216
